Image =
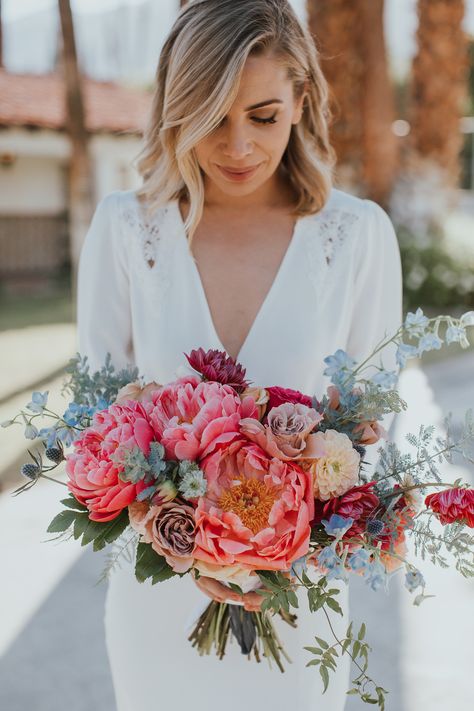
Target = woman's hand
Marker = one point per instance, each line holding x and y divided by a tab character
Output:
221	593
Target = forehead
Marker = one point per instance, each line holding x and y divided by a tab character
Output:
263	75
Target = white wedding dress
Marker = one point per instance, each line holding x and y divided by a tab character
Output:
140	298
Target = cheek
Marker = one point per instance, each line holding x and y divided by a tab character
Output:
203	151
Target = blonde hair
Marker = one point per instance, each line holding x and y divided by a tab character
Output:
197	82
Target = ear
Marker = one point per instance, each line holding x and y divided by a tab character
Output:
299	105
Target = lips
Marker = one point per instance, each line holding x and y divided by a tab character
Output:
238	173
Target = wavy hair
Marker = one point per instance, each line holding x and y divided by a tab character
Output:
197	81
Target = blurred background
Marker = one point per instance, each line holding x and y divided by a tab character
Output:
75	88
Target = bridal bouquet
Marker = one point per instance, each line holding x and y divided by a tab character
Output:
262	488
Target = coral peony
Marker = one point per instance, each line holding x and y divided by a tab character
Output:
191	417
359	503
337	470
453	505
218	366
94	476
286	435
256	511
170	529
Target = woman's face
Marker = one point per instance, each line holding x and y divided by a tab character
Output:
244	151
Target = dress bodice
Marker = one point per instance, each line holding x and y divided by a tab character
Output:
140	296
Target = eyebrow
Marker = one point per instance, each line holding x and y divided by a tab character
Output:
263	103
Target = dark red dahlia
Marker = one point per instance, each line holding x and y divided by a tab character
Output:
359	503
217	365
280	395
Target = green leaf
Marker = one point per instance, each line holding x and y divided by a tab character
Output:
72	503
111	530
356	648
62	521
334	605
313	662
149	563
324	676
292	598
351	692
236	588
361	634
314	650
322	643
80	525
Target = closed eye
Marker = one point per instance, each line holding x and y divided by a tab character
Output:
270	119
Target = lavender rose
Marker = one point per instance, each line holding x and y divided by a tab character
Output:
170	528
287	434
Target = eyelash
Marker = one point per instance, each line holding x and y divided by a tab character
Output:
270	119
257	119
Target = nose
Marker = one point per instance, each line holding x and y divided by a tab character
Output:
236	144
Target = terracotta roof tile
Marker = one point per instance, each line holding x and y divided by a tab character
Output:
38	100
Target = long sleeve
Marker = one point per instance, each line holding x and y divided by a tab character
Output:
377	306
103	303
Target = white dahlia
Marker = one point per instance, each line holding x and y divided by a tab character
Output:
337	470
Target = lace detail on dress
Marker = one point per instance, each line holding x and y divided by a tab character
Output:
151	241
325	236
335	226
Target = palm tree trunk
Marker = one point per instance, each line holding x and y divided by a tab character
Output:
439	87
350	36
80	168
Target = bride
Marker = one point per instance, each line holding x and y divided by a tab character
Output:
237	241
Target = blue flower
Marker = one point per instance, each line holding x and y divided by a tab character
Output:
360	560
455	334
385	379
416	323
404	352
299	566
413	580
337	525
339	365
65	435
376	576
430	342
31	431
38	401
329	559
48	435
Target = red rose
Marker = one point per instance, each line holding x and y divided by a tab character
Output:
359	503
280	395
453	505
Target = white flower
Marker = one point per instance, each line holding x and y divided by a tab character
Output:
246	579
337	470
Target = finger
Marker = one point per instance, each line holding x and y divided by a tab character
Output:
216	590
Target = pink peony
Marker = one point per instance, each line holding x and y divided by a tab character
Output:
280	395
359	503
93	475
453	505
256	510
169	528
287	432
191	417
219	367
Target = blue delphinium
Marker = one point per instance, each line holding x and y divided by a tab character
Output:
360	560
385	379
38	402
329	559
404	352
298	567
416	323
376	576
413	580
340	364
337	525
429	342
456	334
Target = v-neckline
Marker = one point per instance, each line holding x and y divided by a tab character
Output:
268	297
